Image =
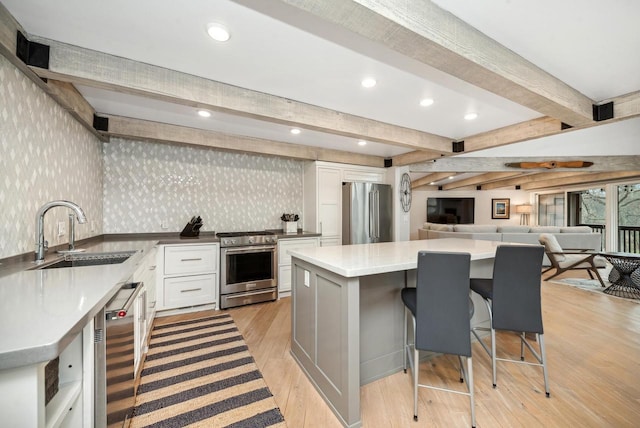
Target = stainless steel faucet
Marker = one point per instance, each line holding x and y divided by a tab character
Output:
40	242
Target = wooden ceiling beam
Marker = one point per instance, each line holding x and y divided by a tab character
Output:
426	33
136	129
71	100
524	131
64	94
480	179
525	178
87	67
415	157
430	178
582	179
486	164
625	106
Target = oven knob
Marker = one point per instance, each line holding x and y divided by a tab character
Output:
250	240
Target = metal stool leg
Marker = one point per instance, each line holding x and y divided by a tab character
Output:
416	371
471	394
543	356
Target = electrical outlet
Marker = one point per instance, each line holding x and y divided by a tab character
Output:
93	226
306	278
164	224
62	228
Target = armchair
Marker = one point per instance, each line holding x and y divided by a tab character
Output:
565	260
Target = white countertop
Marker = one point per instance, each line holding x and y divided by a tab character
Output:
41	311
370	259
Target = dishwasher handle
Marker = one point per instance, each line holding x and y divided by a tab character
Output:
128	293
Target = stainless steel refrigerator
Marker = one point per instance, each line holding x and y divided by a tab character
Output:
366	213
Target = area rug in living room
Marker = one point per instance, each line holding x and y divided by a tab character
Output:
199	373
592	285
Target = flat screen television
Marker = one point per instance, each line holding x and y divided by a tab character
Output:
450	210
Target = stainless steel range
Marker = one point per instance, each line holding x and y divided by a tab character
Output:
248	266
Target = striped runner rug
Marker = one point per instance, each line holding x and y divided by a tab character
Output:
199	373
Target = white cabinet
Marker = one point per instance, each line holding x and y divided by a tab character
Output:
145	305
323	202
188	276
323	196
140	331
23	390
284	260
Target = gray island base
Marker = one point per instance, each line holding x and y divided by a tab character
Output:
347	315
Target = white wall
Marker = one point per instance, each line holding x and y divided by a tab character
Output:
401	219
482	213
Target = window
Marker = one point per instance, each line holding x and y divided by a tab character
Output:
551	209
588	207
629	218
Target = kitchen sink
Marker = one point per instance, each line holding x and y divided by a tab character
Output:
89	259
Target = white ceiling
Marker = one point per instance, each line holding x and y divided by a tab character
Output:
592	46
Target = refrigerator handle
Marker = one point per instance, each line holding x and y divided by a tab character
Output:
372	230
377	214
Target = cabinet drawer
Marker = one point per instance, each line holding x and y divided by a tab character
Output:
284	246
189	291
191	259
330	242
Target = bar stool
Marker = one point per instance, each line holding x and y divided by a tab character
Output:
513	300
441	311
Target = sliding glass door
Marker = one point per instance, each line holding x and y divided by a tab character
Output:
629	218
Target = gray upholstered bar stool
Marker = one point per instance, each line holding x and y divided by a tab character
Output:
441	311
513	299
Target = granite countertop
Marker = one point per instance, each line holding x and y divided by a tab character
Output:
371	259
42	310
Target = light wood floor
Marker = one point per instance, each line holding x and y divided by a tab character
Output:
593	348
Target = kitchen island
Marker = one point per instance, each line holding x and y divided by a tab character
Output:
347	316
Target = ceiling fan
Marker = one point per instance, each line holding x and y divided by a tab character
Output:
550	164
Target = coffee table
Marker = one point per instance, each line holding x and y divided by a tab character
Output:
625	275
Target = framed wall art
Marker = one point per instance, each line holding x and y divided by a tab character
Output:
500	208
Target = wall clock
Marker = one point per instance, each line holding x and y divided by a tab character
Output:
405	192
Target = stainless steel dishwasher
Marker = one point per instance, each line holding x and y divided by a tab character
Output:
114	359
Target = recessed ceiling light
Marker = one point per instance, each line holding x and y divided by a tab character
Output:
362	143
218	32
426	102
295	131
369	82
451	177
470	116
204	113
432	183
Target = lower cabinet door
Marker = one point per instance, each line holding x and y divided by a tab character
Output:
284	278
189	291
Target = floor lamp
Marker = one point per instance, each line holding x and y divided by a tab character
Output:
524	211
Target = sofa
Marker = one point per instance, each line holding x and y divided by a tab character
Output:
572	237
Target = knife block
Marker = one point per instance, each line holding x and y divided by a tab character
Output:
191	230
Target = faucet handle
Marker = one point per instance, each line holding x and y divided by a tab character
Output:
46	245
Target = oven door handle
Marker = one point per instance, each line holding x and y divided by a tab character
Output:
244	250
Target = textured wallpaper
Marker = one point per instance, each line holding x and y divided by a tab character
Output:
152	187
124	186
45	154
